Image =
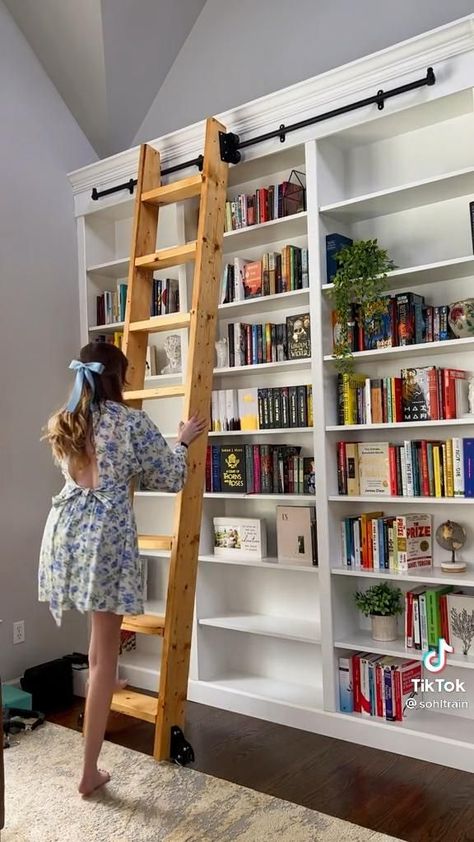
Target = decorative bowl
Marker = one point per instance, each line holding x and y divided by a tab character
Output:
461	318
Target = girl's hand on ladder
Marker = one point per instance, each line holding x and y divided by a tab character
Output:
190	430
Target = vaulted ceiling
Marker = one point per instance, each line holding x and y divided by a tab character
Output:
107	58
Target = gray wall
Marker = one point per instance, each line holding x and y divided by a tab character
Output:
39	331
238	51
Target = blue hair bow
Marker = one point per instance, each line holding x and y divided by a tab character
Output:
84	371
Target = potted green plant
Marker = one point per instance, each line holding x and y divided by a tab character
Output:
381	603
361	280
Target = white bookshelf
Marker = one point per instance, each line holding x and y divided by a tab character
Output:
267	636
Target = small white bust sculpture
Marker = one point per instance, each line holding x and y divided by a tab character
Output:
222	353
172	347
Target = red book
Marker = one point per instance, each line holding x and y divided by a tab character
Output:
450	375
392	458
443	610
398	401
433	394
341	468
356	681
248	344
257	469
425	475
263	194
403	677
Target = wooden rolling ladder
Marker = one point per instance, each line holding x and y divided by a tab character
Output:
168	711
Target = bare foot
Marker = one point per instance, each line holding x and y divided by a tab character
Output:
120	684
90	783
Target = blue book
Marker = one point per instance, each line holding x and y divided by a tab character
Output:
334	244
388	690
468	467
346	695
254	360
381	541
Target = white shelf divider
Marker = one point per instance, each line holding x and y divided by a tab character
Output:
428	273
425	349
286	628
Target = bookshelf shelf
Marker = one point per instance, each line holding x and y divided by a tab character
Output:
286	628
362	641
406	501
434	576
265	303
406	177
405	425
267	690
261	564
107	328
284	365
440	188
277	431
265	233
449	346
220	495
111	268
429	273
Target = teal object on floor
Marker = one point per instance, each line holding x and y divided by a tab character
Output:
13	697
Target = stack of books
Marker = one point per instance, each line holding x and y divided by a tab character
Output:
259	469
254	344
405	320
272	202
371	541
377	685
408	469
165	296
438	612
261	409
274	273
111	305
419	394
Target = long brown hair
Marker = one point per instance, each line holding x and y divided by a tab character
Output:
69	432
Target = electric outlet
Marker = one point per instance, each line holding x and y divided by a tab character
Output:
19	632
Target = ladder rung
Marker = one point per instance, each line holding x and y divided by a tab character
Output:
186	188
172	321
164	258
155	542
153	394
144	624
135	704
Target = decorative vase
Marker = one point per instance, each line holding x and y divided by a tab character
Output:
461	318
384	628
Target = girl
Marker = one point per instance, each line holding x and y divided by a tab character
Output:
89	556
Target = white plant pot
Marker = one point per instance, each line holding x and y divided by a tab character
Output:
384	628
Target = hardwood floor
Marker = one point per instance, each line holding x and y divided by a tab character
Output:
405	798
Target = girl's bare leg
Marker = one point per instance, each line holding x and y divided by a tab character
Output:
103	656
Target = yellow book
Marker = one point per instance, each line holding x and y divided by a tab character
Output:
309	393
449	470
118	338
248	409
437	470
350	384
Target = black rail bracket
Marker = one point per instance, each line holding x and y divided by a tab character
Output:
181	752
282	133
229	147
380	100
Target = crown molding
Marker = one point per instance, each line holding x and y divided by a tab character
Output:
393	65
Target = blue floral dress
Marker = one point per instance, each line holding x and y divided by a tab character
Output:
89	556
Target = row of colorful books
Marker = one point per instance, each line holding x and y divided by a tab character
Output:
165	296
419	394
371	541
272	202
274	273
378	685
262	409
111	305
259	469
408	469
439	612
405	320
253	344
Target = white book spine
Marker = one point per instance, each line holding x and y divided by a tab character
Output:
215	411
403	462
416	623
368	401
458	467
423	622
356	539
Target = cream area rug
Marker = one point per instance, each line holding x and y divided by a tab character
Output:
145	801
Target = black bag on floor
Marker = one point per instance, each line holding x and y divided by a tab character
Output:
50	685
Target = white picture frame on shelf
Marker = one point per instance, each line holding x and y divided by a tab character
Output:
239	538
